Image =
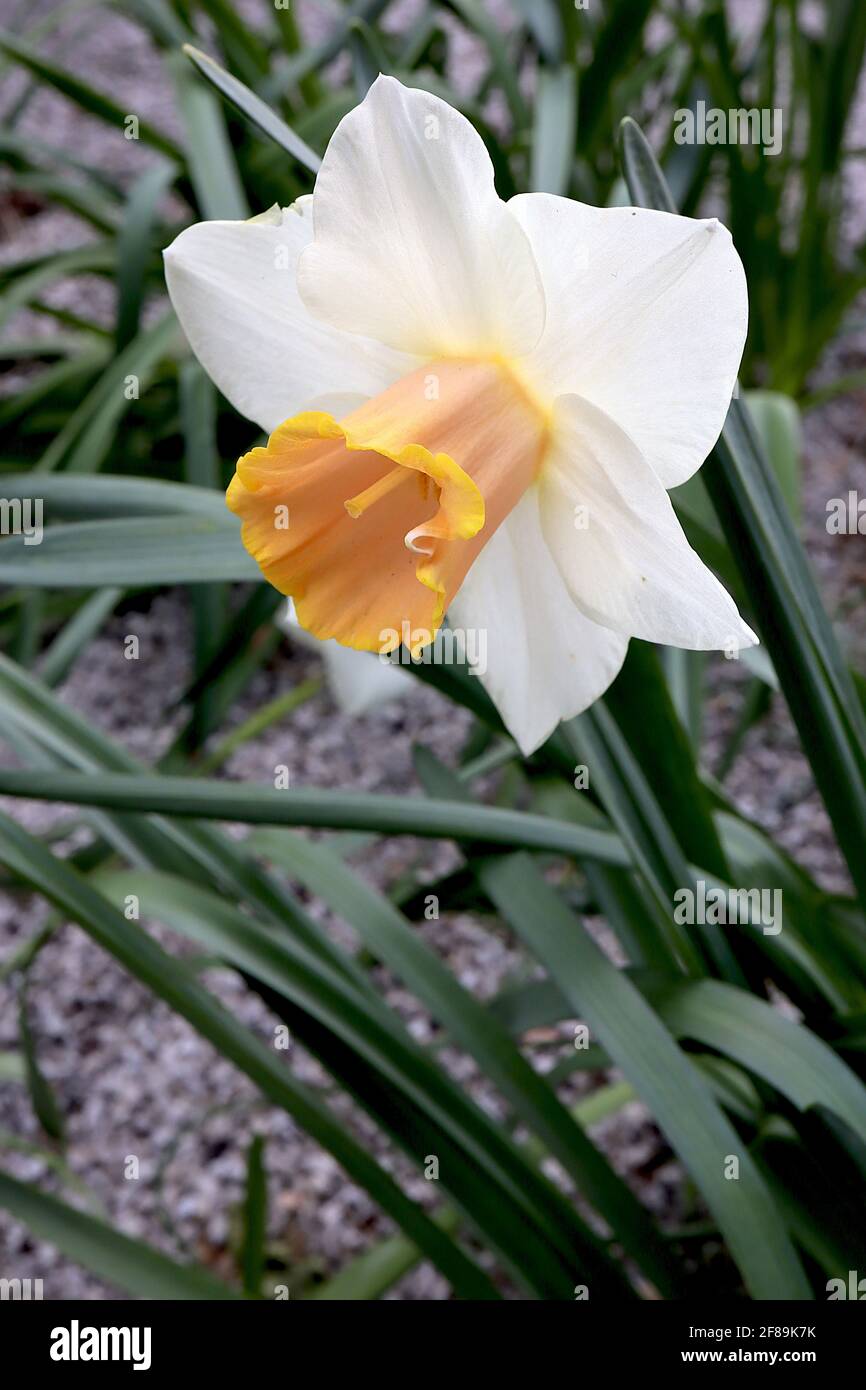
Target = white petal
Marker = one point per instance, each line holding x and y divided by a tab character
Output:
358	681
412	244
545	661
630	566
646	317
233	286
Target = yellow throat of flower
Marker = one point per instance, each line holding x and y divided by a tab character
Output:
372	523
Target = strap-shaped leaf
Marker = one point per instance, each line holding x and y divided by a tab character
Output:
387	934
263	805
791	620
71	497
86	96
753	1033
171	981
253	108
523	1217
128	554
641	1046
127	1263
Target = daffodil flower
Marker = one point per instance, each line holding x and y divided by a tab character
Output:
474	407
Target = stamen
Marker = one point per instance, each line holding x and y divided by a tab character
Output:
356	506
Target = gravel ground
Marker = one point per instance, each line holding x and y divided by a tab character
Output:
132	1079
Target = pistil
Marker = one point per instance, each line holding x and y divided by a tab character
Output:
356	506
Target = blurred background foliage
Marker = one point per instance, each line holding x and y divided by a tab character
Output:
116	427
